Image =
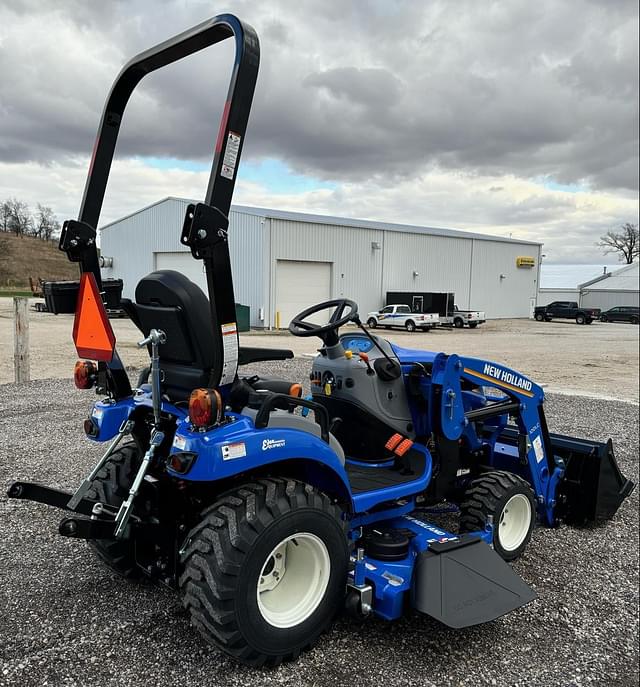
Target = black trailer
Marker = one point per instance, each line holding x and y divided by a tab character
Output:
423	301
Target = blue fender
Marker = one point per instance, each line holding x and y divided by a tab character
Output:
238	447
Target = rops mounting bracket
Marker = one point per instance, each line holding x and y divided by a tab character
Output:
204	227
76	238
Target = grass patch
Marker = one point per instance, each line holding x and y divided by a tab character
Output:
9	294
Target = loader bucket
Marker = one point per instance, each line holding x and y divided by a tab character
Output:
593	488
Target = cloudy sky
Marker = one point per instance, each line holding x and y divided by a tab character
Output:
512	118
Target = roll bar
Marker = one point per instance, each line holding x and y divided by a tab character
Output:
78	237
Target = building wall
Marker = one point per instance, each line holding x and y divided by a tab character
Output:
468	267
356	266
443	264
497	285
546	296
134	242
606	298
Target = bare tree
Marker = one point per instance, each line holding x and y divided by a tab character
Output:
5	215
625	242
20	220
46	223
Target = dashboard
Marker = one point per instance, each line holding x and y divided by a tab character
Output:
356	343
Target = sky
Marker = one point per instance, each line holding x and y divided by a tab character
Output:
510	118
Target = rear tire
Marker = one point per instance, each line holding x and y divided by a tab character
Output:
634	320
473	325
580	319
509	500
111	487
458	323
371	323
229	584
410	326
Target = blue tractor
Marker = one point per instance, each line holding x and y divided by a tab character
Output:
268	510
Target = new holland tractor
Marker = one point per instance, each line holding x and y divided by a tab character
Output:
270	511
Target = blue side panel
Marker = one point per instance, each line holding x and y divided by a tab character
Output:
412	355
238	447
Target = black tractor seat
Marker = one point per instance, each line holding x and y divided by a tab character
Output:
167	300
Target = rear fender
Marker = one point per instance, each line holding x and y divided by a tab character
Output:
237	447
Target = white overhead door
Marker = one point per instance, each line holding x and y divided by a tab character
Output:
300	284
184	263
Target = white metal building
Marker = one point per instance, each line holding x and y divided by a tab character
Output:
285	261
612	289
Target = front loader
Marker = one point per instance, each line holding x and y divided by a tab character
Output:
270	511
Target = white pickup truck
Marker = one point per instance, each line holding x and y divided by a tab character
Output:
459	318
401	316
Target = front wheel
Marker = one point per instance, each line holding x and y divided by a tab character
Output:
506	498
539	317
603	318
265	571
372	323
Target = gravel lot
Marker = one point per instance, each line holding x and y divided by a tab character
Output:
598	360
66	620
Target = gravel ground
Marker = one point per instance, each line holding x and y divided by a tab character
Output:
66	620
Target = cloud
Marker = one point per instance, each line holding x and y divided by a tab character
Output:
434	113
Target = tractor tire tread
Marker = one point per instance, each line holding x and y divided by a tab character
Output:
212	559
111	486
482	496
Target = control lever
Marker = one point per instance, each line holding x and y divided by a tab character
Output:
156	338
365	359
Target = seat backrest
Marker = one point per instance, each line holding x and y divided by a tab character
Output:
169	301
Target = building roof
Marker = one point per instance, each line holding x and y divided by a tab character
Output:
568	276
624	279
270	213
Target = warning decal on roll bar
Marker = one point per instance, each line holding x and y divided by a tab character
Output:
229	352
230	159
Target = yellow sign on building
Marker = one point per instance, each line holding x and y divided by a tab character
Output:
525	261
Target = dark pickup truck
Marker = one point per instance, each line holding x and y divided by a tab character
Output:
568	310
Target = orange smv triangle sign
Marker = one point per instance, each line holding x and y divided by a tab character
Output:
92	332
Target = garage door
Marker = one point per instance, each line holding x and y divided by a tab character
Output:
185	264
300	284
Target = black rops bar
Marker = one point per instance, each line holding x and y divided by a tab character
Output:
77	239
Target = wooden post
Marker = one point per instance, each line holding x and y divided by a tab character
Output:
21	339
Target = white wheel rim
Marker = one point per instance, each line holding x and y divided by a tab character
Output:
515	520
294	579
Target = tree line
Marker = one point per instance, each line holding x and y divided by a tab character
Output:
17	218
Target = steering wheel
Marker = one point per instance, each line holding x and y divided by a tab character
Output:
327	332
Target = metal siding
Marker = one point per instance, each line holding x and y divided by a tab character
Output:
605	299
356	266
546	296
508	297
134	241
443	265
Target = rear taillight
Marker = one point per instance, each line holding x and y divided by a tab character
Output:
205	407
85	374
181	462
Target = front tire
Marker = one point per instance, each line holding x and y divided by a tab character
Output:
372	323
265	570
111	487
508	499
539	317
